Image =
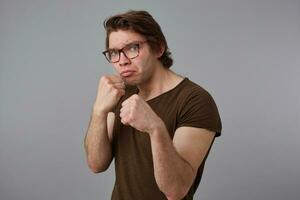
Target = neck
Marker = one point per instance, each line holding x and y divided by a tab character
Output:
162	80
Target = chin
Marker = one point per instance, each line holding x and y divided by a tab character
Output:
134	80
129	82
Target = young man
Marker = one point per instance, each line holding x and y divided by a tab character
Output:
156	124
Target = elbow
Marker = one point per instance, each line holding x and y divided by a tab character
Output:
176	195
97	167
176	192
98	164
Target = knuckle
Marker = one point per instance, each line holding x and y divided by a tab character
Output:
117	92
123	120
134	105
135	97
110	87
114	91
131	116
105	79
122	92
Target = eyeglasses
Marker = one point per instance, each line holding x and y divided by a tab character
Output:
131	51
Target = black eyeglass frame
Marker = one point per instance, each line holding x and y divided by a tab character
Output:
121	50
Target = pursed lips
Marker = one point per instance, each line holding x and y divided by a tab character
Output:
127	73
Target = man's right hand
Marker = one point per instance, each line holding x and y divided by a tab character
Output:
110	90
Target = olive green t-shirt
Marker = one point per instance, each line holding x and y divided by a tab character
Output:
187	104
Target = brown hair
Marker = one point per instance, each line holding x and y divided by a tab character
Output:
142	23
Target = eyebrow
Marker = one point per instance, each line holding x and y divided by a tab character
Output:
133	42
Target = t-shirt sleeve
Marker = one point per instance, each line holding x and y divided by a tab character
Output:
199	110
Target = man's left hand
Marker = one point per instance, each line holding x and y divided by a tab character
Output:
138	114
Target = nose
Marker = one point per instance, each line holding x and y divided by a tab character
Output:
124	60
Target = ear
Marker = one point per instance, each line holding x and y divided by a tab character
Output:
160	51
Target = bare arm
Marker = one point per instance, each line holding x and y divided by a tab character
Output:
176	162
98	141
98	138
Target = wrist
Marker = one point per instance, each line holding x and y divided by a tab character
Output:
158	128
98	112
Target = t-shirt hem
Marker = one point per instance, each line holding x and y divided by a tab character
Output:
218	132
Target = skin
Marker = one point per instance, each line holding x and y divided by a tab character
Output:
175	161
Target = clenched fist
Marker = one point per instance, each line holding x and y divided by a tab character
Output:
110	90
138	114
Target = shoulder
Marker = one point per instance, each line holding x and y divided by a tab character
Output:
191	91
197	108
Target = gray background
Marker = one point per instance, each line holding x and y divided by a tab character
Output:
246	53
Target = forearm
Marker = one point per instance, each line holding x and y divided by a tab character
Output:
97	144
173	174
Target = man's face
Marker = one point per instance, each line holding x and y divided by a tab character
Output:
139	69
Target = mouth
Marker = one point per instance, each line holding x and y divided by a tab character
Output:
127	73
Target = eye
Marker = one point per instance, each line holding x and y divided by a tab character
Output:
113	53
133	47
